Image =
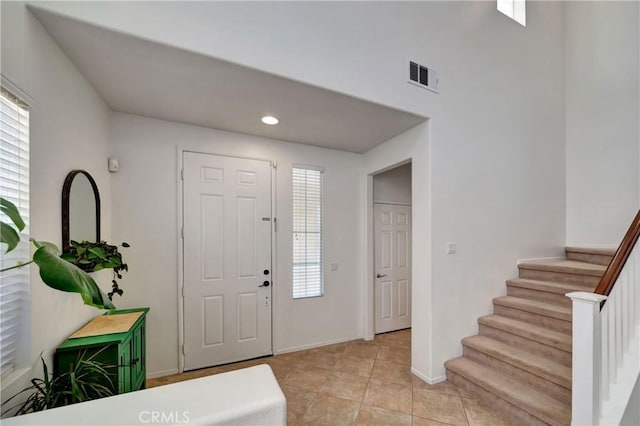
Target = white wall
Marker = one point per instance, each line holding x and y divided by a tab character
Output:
145	215
68	130
393	186
602	133
496	134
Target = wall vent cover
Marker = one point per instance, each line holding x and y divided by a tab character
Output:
422	76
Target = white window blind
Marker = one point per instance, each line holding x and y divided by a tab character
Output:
14	186
308	271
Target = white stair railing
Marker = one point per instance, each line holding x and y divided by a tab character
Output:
586	358
606	344
620	347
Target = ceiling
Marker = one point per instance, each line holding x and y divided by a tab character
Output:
141	77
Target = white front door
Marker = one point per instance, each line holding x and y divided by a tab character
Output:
392	228
227	259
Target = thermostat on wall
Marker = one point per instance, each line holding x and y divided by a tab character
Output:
114	165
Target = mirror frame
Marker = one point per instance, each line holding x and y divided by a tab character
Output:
66	192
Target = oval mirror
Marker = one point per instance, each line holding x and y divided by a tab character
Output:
80	209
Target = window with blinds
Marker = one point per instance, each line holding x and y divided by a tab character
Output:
308	271
14	186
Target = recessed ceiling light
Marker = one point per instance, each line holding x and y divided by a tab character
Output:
270	120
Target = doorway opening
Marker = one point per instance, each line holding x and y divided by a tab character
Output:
392	249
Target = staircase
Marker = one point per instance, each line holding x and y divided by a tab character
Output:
520	363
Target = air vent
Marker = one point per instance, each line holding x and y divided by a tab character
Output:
413	71
422	76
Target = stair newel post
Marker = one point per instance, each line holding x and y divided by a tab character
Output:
585	397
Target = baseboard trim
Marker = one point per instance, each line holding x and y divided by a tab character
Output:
425	378
313	345
162	373
540	259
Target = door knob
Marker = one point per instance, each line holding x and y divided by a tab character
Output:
380	275
265	284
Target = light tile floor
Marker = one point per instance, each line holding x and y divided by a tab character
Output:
361	383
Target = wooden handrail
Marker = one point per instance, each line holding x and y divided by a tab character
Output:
620	258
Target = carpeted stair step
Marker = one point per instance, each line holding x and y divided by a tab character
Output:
599	256
542	291
524	403
543	314
564	271
538	340
534	370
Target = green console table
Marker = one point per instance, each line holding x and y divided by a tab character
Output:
119	339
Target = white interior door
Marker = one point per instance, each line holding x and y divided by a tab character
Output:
392	228
227	259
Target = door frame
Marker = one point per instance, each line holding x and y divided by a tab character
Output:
180	245
370	266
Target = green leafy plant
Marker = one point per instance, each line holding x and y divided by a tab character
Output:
56	272
88	379
92	257
9	234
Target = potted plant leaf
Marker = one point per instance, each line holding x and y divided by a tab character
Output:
93	257
55	272
87	379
